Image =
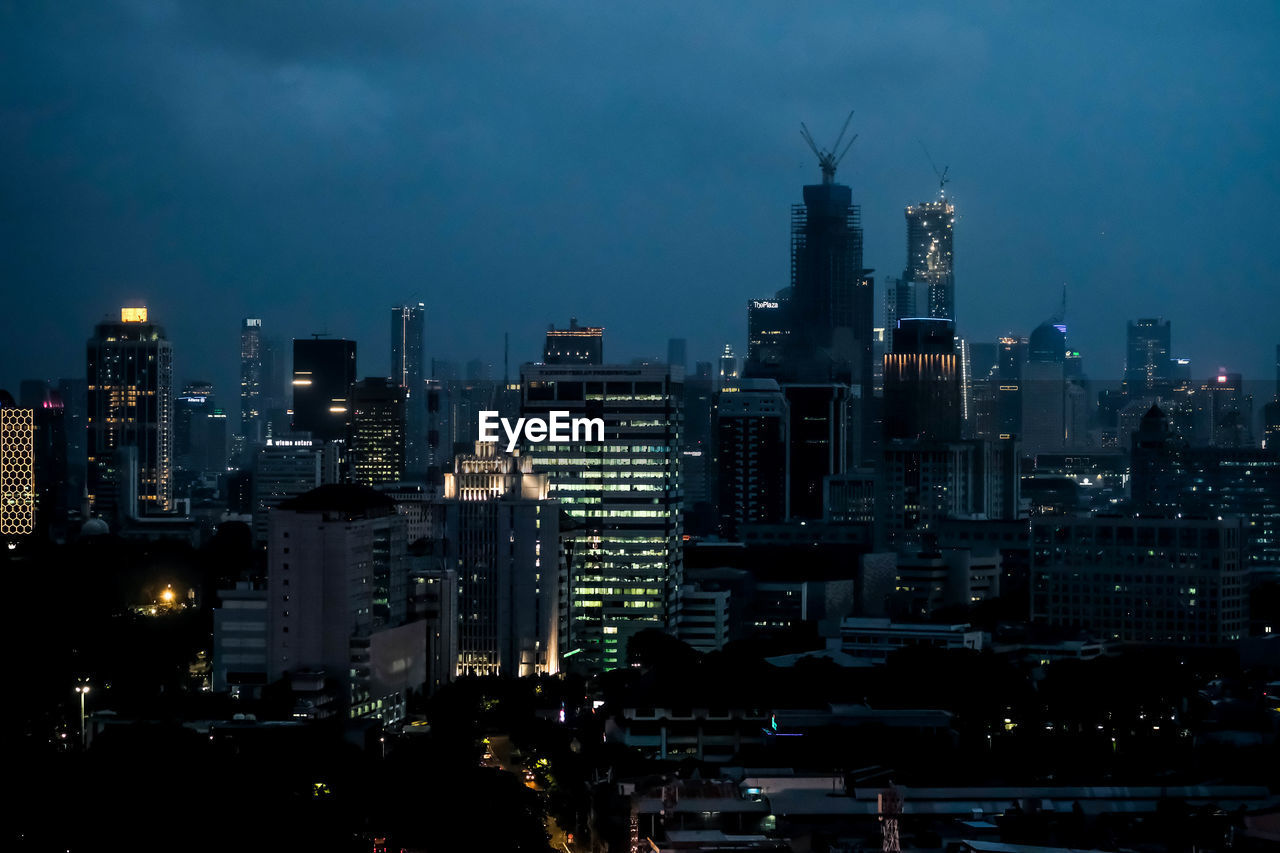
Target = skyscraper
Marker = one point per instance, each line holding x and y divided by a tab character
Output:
408	370
751	455
376	436
625	554
574	345
497	527
832	301
922	382
130	408
323	372
251	385
767	329
1146	355
929	255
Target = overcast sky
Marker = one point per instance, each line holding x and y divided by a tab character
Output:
512	164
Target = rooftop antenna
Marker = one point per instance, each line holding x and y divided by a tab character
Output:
319	335
828	160
943	180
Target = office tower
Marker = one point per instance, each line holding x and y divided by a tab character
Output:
74	396
929	255
728	374
466	399
338	587
1229	410
277	387
768	327
922	388
982	360
17	470
324	370
1176	581
822	438
435	602
54	496
284	468
1044	427
623	495
252	390
438	446
376	437
697	453
574	345
1271	414
408	370
904	299
198	444
678	353
1146	365
751	455
130	408
498	529
1170	478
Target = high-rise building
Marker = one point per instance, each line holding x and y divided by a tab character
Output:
1147	362
1177	581
929	255
625	553
751	455
498	529
199	430
17	470
285	468
130	408
338	597
768	326
376	436
729	372
408	370
922	387
821	440
574	345
252	410
678	353
832	306
1043	391
324	370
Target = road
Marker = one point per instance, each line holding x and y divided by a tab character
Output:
500	747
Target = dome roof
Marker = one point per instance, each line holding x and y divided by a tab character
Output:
94	527
1047	343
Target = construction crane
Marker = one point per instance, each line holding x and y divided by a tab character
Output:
943	180
828	159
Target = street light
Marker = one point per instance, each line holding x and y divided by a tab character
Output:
83	690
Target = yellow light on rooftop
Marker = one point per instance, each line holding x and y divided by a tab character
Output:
133	315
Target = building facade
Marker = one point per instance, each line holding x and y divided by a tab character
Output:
376	443
1169	581
129	443
623	496
324	370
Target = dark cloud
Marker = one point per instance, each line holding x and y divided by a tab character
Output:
515	163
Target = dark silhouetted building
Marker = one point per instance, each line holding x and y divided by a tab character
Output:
922	389
574	345
768	326
17	470
751	455
821	437
324	370
1147	363
1174	581
408	370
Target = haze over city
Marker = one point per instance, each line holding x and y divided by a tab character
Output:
513	165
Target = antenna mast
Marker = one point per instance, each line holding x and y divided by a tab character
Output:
828	159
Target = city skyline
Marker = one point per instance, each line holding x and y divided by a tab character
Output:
223	222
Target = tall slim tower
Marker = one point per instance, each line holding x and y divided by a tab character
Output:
929	255
130	416
1146	355
252	407
409	372
832	294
